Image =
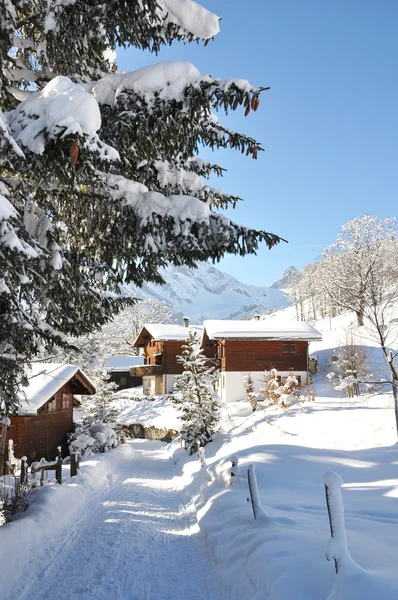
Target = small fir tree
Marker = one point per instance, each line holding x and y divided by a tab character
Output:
249	388
194	396
99	406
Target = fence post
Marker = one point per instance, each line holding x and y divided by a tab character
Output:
58	467
74	463
337	546
24	470
254	495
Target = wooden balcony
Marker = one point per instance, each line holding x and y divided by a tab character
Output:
147	370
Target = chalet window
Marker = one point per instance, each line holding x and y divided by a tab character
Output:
123	381
289	348
51	406
66	401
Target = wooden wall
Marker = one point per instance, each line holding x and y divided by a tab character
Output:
258	355
39	435
168	357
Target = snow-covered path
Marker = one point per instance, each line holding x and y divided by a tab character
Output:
135	541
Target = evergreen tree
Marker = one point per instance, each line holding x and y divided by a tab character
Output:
194	395
100	179
99	406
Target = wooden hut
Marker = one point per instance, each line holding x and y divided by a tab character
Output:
45	416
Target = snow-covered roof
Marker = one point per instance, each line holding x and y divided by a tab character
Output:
260	330
44	380
123	363
171	333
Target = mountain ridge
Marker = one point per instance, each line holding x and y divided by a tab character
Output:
209	293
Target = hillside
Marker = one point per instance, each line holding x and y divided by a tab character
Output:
208	293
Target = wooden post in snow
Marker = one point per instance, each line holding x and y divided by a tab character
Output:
253	490
74	463
58	467
337	547
24	470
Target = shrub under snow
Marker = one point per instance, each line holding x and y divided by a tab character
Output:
93	437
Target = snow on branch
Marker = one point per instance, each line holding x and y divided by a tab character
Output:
61	109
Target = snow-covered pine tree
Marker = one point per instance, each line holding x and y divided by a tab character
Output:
194	395
100	179
99	406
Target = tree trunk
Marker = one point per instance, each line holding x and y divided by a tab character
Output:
359	315
394	383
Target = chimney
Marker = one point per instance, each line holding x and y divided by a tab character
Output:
186	322
256	317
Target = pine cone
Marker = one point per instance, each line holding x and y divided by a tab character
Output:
74	152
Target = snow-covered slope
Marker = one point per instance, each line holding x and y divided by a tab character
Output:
208	293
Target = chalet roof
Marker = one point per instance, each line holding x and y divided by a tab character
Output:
167	333
123	363
260	330
44	380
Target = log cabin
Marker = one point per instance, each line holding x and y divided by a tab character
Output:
162	344
45	415
118	368
243	347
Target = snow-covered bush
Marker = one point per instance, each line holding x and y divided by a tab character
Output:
289	392
250	393
194	395
348	365
14	497
93	437
269	386
284	394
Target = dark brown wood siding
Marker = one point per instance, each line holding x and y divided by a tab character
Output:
258	355
16	433
170	352
47	430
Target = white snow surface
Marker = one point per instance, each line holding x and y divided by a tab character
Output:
169	332
118	530
123	363
61	107
264	330
193	17
160	412
168	78
44	380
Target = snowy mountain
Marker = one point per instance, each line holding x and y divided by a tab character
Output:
283	282
208	293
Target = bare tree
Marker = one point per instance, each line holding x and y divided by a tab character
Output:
380	310
348	266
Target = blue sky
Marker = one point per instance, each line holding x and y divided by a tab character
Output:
329	124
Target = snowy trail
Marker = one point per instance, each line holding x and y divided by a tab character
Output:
135	542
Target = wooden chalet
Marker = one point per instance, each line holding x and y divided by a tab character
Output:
45	416
119	370
254	346
162	344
